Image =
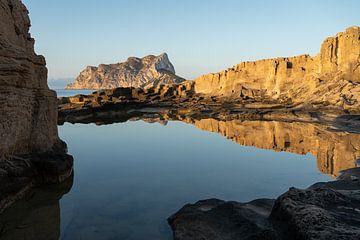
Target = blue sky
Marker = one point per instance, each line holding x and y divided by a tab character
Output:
200	36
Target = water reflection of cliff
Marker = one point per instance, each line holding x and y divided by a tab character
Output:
335	151
36	217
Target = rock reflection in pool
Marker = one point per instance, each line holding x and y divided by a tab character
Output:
37	216
131	176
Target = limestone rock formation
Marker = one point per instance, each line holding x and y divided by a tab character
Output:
28	116
330	78
144	72
28	108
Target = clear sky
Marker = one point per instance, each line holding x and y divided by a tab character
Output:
200	36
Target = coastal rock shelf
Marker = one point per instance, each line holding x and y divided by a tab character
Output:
145	72
31	151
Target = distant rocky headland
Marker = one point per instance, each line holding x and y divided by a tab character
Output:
149	71
31	152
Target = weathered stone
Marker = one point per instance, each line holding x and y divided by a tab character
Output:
144	72
328	211
320	213
215	219
28	113
332	77
31	151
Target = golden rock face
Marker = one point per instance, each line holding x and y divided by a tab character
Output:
331	77
334	151
28	113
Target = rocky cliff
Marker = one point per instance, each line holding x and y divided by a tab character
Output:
144	72
330	78
28	108
28	116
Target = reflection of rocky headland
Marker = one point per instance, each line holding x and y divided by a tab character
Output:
31	151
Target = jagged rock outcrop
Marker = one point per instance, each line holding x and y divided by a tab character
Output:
28	116
144	72
330	78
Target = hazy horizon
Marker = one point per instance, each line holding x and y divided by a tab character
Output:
199	37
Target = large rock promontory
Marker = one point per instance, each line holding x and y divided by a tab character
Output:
136	72
30	150
331	78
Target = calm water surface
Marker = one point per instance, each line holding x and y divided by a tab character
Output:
129	177
67	93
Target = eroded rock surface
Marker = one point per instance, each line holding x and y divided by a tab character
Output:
217	219
332	78
326	211
28	116
149	71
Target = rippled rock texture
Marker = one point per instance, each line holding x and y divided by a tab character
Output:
149	71
28	116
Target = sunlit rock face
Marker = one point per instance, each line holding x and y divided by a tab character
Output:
144	72
28	113
330	78
335	151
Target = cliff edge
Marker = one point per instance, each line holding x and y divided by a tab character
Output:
330	78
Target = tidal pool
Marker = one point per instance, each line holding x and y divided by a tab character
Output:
129	177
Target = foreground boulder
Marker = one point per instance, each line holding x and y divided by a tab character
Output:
323	211
143	72
30	146
216	219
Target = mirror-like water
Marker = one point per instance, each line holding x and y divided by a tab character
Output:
130	177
